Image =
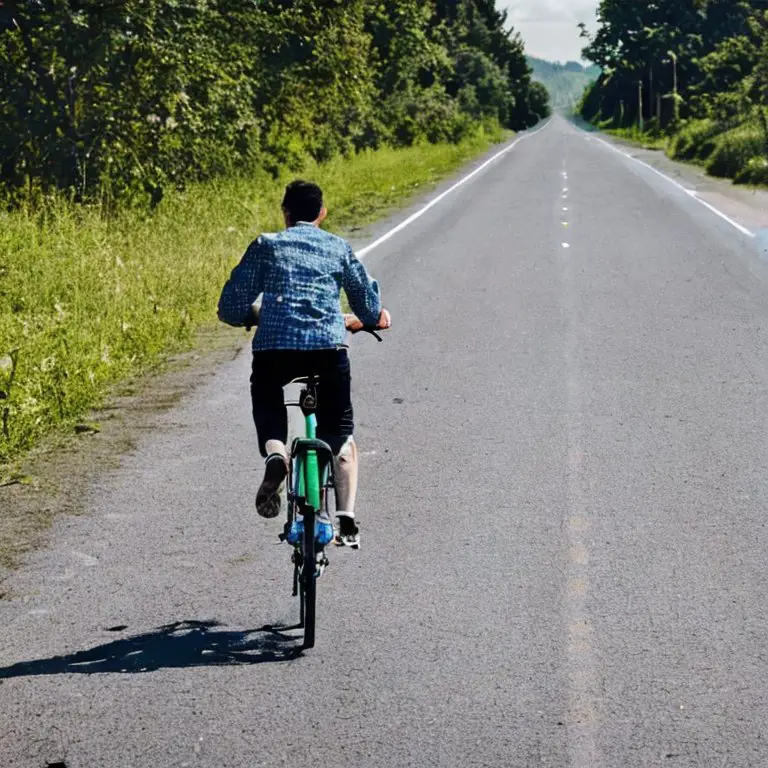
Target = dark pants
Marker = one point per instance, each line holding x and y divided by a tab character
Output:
273	369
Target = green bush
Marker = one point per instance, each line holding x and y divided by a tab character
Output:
734	150
694	141
646	139
755	171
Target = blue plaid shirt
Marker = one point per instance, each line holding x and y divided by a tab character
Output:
300	273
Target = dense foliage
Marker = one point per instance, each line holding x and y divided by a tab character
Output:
128	98
696	70
565	83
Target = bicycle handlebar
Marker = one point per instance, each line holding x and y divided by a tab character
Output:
372	329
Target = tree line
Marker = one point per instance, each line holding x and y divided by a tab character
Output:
565	83
125	99
696	70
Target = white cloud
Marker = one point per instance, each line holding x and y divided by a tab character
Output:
549	27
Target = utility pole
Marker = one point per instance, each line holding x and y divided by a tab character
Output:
675	103
650	91
641	121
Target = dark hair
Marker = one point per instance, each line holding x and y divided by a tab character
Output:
303	201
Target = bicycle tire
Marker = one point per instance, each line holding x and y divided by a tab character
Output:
301	603
312	489
308	489
309	580
296	493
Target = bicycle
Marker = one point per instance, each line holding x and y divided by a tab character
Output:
310	477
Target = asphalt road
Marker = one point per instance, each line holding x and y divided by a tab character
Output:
565	443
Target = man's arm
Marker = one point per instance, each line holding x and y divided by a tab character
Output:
243	287
362	291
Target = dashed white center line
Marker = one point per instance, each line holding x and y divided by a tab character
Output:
566	190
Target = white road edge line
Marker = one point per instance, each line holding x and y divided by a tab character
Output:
400	227
690	192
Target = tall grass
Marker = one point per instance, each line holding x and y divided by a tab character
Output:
754	172
735	149
695	141
87	300
646	139
739	153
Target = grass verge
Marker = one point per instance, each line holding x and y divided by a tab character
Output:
738	153
87	301
636	136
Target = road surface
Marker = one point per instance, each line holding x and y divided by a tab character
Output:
564	515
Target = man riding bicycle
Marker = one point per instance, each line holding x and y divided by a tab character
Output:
299	274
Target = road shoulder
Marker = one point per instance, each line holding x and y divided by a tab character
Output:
746	205
53	479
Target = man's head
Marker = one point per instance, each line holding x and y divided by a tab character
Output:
303	201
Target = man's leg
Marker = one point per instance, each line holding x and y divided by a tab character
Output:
345	466
271	420
336	425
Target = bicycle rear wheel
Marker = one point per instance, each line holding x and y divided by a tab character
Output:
309	581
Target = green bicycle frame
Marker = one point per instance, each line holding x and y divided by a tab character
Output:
309	474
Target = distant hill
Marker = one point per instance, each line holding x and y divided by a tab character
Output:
565	82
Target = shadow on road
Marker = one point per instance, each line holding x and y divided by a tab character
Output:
182	644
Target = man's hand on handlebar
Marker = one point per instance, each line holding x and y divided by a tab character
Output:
355	325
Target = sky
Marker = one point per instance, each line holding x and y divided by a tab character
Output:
549	26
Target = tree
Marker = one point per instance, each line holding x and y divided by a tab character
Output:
758	83
659	46
540	101
124	99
